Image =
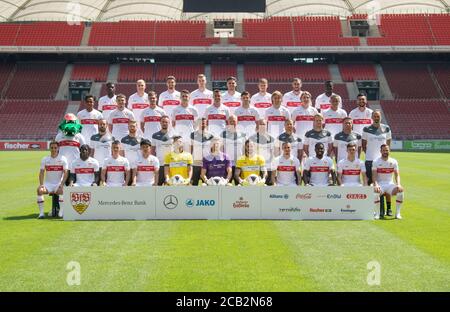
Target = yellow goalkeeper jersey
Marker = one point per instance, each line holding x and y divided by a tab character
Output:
178	163
250	165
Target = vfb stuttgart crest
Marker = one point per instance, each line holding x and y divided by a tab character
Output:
80	201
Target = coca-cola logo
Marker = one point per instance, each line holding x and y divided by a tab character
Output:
356	196
304	196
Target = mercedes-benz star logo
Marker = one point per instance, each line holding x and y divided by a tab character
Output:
170	202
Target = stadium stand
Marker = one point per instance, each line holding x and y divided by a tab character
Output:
182	33
410	81
90	71
182	72
123	33
38	119
5	71
442	74
357	71
286	71
221	71
418	119
133	72
440	24
35	81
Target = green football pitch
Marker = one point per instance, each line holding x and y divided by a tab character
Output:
412	254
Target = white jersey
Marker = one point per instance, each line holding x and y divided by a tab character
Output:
334	120
217	118
185	119
151	117
54	169
119	120
319	169
232	101
385	170
361	119
246	120
137	104
323	102
276	118
169	100
291	100
115	170
84	170
303	119
286	170
351	171
102	146
201	100
375	137
89	121
261	102
106	105
69	147
145	170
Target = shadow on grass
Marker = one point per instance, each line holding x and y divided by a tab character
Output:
29	217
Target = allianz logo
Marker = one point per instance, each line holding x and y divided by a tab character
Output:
277	196
199	202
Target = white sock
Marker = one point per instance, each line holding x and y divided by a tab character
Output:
399	202
61	201
40	202
377	204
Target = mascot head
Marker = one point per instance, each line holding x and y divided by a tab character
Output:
70	125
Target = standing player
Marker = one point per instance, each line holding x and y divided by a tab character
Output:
316	135
89	118
69	145
382	171
138	101
145	170
343	138
116	169
217	115
178	162
55	170
162	145
184	118
200	147
131	143
84	171
351	170
101	143
292	99
317	169
250	163
334	116
287	172
323	101
247	116
362	115
303	116
216	163
202	97
170	98
231	98
107	103
262	100
233	144
119	118
288	136
265	146
276	115
151	117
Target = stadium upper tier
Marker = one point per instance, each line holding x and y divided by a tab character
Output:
390	30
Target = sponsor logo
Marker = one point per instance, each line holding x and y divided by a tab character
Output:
35	146
356	196
334	196
290	209
190	203
80	201
241	203
319	210
348	210
303	196
276	196
170	202
22	145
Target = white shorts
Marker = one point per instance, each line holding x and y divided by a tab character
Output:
144	184
387	188
320	185
51	188
78	185
113	185
352	184
291	184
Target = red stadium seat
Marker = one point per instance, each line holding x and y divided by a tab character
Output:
357	71
133	72
286	71
182	72
442	74
221	71
90	71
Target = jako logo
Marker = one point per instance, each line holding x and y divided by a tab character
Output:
189	202
200	203
334	196
356	196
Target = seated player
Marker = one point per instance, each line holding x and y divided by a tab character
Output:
178	162
317	169
216	164
146	167
351	170
116	169
287	172
84	171
382	170
55	170
250	164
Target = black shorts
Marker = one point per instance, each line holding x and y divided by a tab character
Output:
368	164
196	170
161	176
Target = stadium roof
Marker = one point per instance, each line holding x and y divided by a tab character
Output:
114	10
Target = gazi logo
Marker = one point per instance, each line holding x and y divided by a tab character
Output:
190	203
